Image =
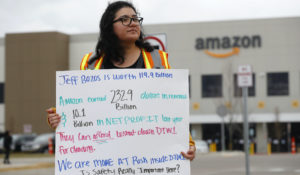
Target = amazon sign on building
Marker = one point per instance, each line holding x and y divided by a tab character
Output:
212	51
233	43
227	42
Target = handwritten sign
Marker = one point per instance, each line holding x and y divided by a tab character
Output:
122	122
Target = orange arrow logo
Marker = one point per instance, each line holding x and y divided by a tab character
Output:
235	50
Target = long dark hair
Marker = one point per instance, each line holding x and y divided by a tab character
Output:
108	43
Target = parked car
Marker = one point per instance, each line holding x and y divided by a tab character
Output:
17	141
22	140
39	144
201	146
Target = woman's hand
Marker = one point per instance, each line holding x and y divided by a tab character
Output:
53	118
190	154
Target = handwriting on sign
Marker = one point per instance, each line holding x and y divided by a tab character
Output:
122	122
66	79
134	161
127	120
76	149
65	137
171	119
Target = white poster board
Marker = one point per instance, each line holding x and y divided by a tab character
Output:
114	122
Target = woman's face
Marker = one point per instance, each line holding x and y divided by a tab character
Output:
129	33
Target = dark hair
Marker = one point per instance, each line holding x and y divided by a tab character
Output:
108	42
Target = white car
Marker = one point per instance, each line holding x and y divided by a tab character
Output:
17	141
201	146
39	144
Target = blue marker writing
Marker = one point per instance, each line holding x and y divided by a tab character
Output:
66	79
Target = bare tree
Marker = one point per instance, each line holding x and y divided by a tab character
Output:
233	101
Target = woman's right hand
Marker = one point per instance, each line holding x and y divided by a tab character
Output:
53	118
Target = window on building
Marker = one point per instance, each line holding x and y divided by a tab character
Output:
278	84
1	92
212	86
238	90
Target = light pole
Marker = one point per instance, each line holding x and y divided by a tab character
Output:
245	81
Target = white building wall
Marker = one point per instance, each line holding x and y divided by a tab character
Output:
279	51
79	46
2	80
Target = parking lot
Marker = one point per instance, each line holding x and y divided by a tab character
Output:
29	142
233	163
229	163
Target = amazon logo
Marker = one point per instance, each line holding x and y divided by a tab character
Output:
235	43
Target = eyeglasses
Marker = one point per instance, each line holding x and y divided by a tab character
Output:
126	21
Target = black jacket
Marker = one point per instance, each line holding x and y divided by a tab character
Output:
7	141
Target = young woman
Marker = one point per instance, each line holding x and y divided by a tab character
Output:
121	45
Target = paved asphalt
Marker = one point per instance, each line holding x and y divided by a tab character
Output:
232	163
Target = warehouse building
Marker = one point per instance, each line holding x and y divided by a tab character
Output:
212	51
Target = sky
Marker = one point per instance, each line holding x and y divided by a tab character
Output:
83	16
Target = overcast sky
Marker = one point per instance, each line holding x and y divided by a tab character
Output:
82	16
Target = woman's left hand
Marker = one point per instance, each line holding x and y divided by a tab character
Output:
190	154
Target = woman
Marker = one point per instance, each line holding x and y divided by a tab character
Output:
121	45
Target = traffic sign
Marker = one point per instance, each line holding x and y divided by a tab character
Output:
245	76
222	111
158	40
